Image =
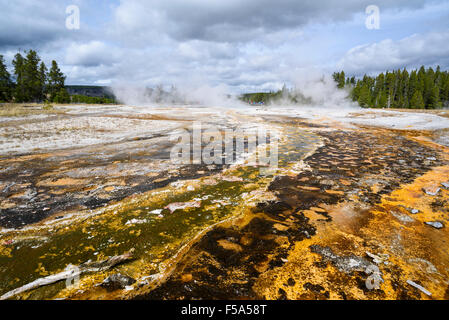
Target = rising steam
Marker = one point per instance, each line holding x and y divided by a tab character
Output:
309	88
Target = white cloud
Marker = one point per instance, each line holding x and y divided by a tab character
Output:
411	52
93	53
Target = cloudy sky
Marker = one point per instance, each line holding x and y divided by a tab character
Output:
244	45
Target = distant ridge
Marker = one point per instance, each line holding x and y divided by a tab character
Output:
90	91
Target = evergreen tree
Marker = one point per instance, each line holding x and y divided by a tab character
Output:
355	93
423	88
364	97
434	99
390	88
56	87
445	90
61	96
32	83
417	101
382	99
43	81
413	84
352	81
428	86
5	82
379	84
341	80
20	94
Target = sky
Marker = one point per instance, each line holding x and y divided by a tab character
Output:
245	46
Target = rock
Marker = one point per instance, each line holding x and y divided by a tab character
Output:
327	182
402	217
345	264
210	182
117	281
177	184
231	179
183	205
413	211
431	191
377	259
435	224
135	221
421	288
445	185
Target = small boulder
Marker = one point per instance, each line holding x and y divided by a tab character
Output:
435	224
431	191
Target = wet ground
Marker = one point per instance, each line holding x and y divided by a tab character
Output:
348	206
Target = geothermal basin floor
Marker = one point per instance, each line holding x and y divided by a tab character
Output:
358	208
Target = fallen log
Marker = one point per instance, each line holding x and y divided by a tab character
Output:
72	272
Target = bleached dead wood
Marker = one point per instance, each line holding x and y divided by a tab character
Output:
71	272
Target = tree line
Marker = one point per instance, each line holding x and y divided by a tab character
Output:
78	98
285	95
33	82
417	89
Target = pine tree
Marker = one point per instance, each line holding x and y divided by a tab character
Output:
445	90
365	97
43	81
390	88
423	88
61	96
403	89
32	82
379	84
417	101
20	94
421	79
5	82
56	87
381	100
32	77
434	99
428	86
355	93
341	80
413	84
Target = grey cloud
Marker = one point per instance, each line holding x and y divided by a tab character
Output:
233	20
27	23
